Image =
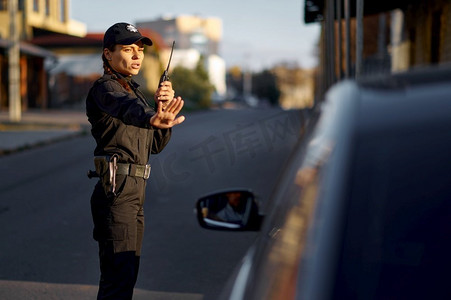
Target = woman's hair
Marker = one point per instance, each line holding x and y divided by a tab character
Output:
107	69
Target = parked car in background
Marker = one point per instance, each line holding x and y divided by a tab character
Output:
363	210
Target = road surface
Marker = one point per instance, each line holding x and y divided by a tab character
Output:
47	250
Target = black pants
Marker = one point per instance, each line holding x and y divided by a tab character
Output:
119	229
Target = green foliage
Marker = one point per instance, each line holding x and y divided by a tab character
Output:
264	86
193	85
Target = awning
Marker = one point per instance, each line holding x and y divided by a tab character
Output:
78	65
35	50
29	49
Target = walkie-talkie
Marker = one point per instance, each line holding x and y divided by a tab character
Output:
165	76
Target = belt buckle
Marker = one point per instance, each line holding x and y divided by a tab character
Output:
146	172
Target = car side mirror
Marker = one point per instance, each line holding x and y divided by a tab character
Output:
229	210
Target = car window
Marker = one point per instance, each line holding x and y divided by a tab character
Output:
397	240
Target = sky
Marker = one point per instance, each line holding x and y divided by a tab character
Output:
257	34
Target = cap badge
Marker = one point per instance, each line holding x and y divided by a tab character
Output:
131	28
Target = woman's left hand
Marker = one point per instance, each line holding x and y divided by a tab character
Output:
167	117
164	94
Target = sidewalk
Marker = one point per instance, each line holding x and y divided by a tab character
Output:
39	127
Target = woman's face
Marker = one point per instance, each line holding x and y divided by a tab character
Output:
126	59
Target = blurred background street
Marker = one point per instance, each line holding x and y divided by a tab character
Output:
250	81
45	214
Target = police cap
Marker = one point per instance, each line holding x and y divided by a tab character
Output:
123	34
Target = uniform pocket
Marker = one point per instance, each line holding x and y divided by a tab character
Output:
118	236
129	191
117	232
121	182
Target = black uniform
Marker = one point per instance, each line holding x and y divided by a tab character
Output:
121	128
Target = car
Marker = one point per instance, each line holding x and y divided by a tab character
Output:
363	210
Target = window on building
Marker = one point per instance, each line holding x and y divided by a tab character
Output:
35	5
47	7
63	10
199	41
3	4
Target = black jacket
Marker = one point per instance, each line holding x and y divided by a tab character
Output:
120	122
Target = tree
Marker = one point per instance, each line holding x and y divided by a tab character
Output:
234	80
193	85
264	86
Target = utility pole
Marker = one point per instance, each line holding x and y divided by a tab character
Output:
359	38
15	112
339	39
347	38
247	78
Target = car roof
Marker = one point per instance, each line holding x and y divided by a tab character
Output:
402	80
401	100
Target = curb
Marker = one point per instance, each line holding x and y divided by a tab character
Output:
24	136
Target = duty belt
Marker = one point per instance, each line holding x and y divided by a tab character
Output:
106	165
133	170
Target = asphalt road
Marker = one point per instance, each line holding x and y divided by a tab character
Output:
47	251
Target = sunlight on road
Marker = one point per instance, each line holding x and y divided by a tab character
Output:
15	290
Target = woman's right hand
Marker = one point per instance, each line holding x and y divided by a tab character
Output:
164	94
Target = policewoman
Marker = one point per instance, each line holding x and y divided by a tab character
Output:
127	129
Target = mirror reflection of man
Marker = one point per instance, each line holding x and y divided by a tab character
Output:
234	210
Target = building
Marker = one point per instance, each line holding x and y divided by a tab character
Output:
79	64
194	37
34	18
367	38
421	34
40	17
296	87
189	32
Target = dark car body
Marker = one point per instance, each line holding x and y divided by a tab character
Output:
363	210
